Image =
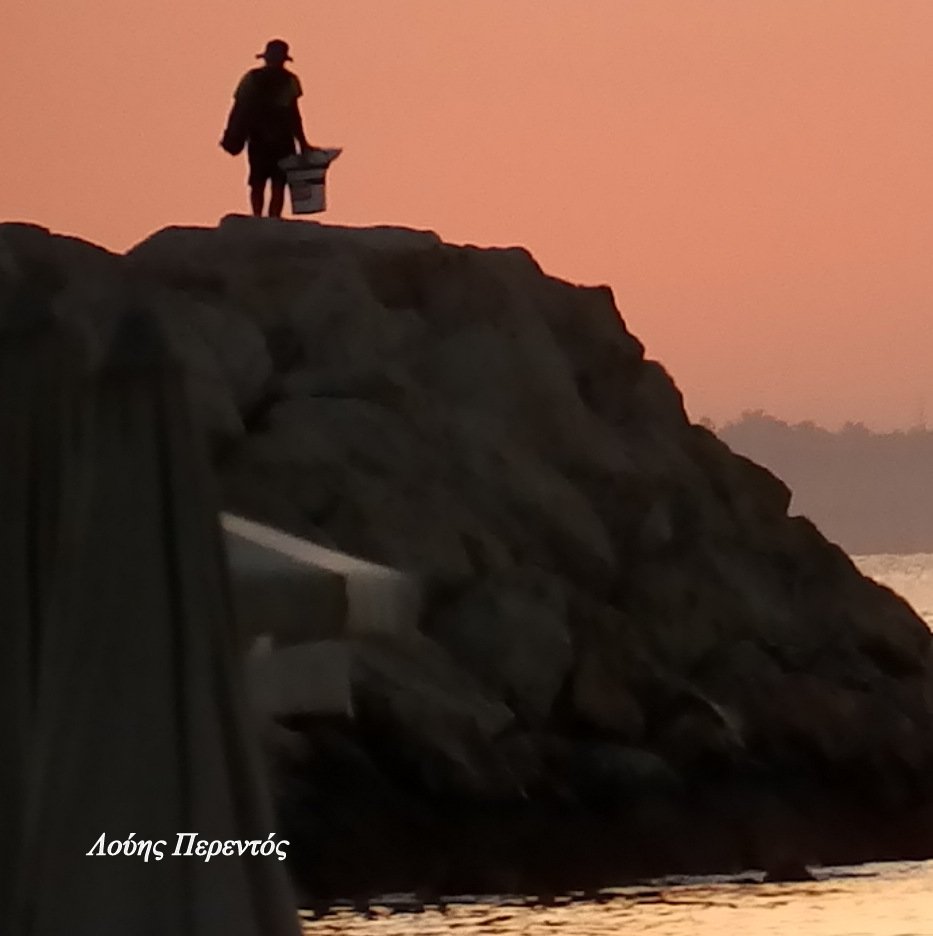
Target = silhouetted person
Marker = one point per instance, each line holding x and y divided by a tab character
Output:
265	118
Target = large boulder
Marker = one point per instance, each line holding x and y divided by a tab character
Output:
428	718
515	639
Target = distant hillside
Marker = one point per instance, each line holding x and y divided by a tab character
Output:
870	492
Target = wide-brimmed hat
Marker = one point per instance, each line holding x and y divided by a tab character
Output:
276	48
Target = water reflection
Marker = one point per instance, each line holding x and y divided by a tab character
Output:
874	900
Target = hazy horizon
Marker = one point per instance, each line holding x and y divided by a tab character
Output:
919	425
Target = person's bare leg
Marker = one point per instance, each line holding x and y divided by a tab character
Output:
277	200
256	194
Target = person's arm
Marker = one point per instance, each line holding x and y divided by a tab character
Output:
297	123
299	127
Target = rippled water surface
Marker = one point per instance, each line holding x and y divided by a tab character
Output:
911	576
872	900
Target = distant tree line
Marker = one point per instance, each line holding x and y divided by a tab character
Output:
869	492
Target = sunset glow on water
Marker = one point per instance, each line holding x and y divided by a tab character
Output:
873	900
911	576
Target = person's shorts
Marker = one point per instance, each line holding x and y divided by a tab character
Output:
264	162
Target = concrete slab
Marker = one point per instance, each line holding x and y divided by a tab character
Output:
303	679
286	587
288	600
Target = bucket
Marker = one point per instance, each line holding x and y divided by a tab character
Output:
305	174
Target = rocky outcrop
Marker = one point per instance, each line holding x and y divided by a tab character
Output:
629	657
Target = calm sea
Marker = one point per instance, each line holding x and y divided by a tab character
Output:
910	576
871	900
892	899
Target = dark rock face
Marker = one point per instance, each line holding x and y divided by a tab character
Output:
631	659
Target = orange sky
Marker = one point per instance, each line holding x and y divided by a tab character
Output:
754	178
